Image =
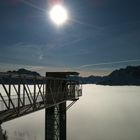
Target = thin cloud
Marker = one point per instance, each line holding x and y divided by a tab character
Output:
33	5
59	44
86	24
109	63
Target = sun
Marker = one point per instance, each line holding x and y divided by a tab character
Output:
58	14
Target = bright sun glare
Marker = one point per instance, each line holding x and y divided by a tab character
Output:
58	14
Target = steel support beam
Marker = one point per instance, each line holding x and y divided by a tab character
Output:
49	123
55	122
63	120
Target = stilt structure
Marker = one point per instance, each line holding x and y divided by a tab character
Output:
56	115
24	94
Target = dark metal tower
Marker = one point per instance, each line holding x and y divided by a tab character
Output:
56	115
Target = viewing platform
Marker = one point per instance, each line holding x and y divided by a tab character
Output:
24	94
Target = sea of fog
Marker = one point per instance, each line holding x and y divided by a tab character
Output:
102	113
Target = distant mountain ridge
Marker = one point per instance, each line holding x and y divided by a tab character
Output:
24	71
124	76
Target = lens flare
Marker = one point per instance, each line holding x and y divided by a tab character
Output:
58	14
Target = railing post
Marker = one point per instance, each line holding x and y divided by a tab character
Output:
18	99
34	98
9	94
23	96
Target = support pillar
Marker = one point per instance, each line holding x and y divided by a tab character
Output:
1	135
63	119
55	122
55	117
49	123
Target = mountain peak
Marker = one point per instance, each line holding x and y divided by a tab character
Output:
124	76
24	71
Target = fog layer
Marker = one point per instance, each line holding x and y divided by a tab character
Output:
102	113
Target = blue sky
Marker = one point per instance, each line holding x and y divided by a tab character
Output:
100	36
